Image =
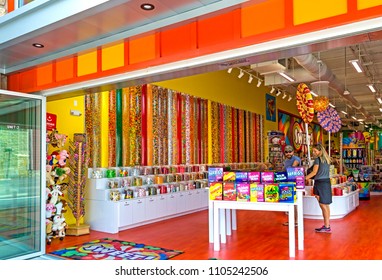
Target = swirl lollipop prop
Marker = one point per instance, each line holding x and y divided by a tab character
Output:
305	107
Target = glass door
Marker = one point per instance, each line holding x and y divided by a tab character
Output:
22	175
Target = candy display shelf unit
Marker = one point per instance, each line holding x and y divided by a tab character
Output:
341	206
103	214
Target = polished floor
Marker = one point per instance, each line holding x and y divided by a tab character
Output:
260	235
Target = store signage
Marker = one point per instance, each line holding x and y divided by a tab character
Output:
299	136
51	120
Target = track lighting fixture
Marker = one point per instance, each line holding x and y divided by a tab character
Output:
285	95
372	88
313	93
286	76
250	79
229	70
278	92
356	64
241	74
272	90
259	83
289	98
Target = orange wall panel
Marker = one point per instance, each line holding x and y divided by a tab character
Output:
142	49
217	30
178	40
364	4
264	17
13	82
28	80
44	74
113	56
307	11
64	69
87	63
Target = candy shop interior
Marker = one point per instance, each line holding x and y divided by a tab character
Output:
130	143
161	138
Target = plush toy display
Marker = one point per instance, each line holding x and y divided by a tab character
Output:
56	183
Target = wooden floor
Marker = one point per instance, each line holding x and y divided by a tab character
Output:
260	235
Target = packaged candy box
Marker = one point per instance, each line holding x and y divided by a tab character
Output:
229	191
256	192
242	192
271	192
216	191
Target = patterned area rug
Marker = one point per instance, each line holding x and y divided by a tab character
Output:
111	249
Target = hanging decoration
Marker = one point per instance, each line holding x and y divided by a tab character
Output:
305	105
320	103
329	120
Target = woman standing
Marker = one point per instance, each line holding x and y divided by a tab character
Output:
322	188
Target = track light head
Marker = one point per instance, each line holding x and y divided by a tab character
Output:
272	90
250	79
289	98
229	70
258	83
285	95
241	74
278	92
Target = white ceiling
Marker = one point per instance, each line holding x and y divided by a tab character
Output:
76	28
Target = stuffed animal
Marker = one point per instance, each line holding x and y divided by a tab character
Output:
49	175
59	225
49	210
54	194
62	174
63	155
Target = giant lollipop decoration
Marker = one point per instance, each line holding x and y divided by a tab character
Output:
305	104
329	120
305	107
321	103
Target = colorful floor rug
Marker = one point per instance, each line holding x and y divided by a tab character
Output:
111	249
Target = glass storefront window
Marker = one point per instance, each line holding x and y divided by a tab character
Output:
20	176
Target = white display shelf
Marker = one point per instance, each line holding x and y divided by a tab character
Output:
341	206
105	215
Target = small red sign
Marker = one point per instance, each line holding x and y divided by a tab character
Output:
51	121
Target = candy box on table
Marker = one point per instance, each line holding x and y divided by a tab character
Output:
216	190
229	191
287	192
242	192
256	192
271	192
215	174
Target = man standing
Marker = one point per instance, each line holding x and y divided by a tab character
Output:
291	161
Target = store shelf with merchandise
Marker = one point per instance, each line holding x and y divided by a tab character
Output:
117	203
354	157
345	200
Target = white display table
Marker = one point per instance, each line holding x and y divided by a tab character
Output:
220	223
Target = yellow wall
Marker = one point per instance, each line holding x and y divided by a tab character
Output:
228	89
68	125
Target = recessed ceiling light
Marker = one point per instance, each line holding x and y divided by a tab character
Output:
38	45
147	7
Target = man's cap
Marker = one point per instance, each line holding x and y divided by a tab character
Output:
289	148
